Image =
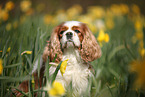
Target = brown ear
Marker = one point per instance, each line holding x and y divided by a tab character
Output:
55	47
90	48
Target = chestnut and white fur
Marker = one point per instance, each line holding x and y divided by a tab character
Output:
71	40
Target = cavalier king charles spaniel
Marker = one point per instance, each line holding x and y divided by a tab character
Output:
71	40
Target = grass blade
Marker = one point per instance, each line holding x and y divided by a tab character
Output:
55	73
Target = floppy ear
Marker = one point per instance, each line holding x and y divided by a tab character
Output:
90	48
55	47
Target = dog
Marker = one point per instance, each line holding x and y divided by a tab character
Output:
71	40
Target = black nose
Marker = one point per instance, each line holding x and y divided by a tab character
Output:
69	35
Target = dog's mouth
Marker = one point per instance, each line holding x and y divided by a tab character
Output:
69	40
69	43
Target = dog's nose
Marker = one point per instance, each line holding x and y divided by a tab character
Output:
69	35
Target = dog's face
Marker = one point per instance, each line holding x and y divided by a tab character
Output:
71	34
74	34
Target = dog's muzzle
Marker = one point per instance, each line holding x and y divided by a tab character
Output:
69	35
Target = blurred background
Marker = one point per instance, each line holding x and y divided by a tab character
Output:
119	28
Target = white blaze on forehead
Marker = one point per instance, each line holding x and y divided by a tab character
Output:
72	23
75	37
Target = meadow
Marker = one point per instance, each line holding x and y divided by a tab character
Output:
118	28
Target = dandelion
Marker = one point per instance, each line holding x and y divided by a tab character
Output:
138	66
1	66
25	5
8	27
26	52
63	66
56	90
9	5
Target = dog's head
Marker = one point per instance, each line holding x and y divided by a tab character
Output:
74	34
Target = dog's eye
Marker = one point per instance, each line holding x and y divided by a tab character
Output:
61	32
77	31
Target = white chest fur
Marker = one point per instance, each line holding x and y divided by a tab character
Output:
76	72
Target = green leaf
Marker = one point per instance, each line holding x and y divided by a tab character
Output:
12	79
55	73
12	65
24	94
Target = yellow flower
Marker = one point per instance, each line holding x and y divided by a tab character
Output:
4	15
141	44
135	9
47	19
124	8
33	82
96	12
138	25
1	66
63	66
56	90
8	50
26	52
74	11
138	66
106	38
93	28
30	11
85	19
25	5
139	35
109	23
142	52
115	9
8	27
103	36
60	16
9	5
